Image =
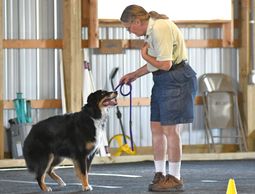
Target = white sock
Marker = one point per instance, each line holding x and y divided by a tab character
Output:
160	166
175	169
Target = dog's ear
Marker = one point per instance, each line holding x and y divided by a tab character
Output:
93	97
91	107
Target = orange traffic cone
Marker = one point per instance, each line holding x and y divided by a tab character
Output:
231	187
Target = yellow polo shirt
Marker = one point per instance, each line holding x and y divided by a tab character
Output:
166	42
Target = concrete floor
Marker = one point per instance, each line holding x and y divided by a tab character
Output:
200	177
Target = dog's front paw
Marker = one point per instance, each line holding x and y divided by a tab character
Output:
48	189
87	188
61	183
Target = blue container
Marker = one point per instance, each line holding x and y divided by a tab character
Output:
21	108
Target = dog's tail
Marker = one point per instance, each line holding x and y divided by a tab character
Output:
30	166
35	160
30	157
34	154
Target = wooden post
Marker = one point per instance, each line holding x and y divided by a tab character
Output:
90	19
251	117
248	91
228	30
228	34
251	97
72	54
1	85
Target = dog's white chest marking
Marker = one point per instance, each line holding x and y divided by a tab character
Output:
100	128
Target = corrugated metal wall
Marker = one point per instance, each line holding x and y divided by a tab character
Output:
31	71
35	72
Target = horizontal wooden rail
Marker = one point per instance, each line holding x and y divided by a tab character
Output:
49	103
194	43
111	44
213	43
180	23
32	44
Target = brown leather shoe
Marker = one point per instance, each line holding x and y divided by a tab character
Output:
156	179
168	184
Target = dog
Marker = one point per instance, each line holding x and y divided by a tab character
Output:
72	136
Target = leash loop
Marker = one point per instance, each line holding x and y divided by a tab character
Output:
121	89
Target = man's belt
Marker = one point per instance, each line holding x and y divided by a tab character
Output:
174	67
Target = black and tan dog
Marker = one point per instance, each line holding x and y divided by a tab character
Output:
71	136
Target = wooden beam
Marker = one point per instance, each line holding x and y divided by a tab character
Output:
251	110
125	44
93	36
90	19
228	34
180	23
216	43
132	44
111	47
8	104
84	13
49	103
244	66
228	29
135	102
1	85
211	43
146	101
72	54
33	43
251	99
